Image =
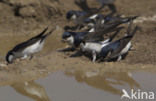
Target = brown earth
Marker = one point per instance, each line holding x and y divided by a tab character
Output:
22	19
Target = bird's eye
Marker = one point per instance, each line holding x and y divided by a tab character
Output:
83	42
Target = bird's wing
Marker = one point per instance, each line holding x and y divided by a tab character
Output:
113	23
33	40
40	34
99	35
122	45
23	45
93	37
46	35
123	42
115	34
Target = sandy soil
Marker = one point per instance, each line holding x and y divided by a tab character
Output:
35	16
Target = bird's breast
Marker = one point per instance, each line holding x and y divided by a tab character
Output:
92	47
36	47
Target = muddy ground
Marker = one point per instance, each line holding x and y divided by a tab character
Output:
22	19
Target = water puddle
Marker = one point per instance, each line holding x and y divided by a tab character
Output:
79	86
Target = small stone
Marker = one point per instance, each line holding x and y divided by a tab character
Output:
28	11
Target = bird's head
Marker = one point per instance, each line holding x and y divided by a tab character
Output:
68	37
10	57
71	15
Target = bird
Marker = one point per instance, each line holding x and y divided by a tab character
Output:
80	19
117	50
94	48
85	10
79	16
29	47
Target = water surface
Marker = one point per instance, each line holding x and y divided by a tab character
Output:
79	86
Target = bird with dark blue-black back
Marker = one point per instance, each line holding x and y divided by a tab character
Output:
29	47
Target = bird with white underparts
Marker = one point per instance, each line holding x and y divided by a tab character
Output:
29	47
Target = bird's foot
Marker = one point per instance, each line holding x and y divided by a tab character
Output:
31	56
93	56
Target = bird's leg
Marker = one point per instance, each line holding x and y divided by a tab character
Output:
93	56
31	56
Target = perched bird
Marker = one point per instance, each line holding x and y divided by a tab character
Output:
80	19
94	48
85	11
29	47
79	16
118	49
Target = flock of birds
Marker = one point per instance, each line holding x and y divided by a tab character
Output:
93	34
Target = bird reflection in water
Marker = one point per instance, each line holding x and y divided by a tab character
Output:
31	89
105	81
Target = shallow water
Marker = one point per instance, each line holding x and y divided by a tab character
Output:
79	86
